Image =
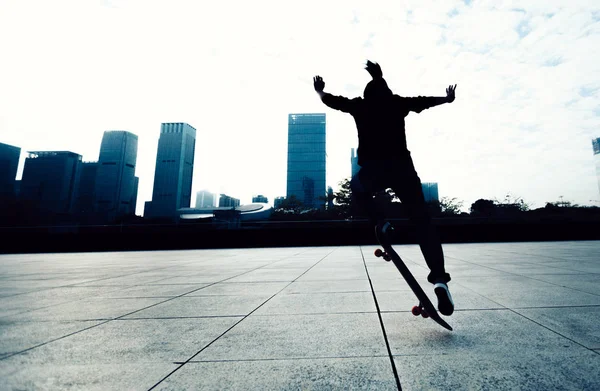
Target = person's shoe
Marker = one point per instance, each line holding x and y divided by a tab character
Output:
445	303
383	231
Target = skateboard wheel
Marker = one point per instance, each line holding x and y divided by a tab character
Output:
424	314
416	311
378	252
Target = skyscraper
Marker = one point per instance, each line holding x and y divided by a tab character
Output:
354	162
306	166
115	178
205	199
174	170
9	162
430	191
50	181
596	146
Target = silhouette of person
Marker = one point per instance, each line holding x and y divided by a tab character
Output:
386	162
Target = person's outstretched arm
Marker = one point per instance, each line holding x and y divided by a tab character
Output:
421	103
335	102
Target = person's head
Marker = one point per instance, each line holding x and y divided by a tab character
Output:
377	88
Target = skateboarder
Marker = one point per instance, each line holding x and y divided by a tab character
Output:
386	163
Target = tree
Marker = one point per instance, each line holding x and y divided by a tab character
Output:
483	207
450	206
511	203
342	200
561	204
343	197
291	203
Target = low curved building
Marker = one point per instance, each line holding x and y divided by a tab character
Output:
250	212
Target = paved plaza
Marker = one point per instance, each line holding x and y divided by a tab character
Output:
527	318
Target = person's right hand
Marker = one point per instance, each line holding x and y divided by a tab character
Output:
318	83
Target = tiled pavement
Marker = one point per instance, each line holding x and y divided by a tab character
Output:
526	317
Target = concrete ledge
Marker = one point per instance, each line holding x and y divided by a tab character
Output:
189	236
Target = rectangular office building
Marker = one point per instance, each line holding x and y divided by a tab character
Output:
205	199
174	170
306	166
115	178
50	181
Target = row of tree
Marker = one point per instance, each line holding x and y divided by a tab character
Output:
339	206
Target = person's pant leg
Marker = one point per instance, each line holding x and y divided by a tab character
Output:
408	188
363	185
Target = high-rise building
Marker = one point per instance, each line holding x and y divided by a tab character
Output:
260	198
430	191
115	177
86	194
174	170
226	201
9	162
354	162
306	168
596	146
50	181
205	199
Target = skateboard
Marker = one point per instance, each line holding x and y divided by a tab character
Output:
425	307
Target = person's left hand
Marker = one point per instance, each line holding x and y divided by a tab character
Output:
450	93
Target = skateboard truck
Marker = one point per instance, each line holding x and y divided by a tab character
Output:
380	253
419	310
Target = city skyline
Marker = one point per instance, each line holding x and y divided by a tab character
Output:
527	101
352	167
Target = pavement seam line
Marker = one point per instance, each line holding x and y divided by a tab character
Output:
239	321
122	316
387	344
526	276
285	359
531	320
528	254
554	331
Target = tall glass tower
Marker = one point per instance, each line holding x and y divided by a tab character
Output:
354	162
115	176
430	191
174	170
596	145
307	159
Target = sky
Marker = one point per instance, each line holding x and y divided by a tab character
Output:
527	100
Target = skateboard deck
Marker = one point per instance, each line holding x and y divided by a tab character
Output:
425	307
